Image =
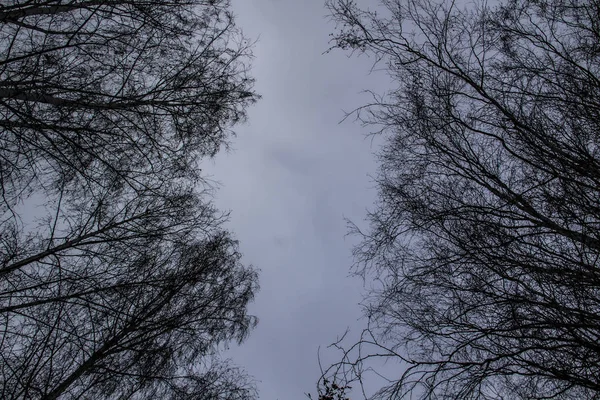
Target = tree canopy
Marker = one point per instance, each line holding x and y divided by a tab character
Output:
484	242
117	278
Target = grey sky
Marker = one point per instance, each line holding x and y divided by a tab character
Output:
293	175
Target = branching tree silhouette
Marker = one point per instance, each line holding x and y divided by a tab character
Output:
116	277
485	240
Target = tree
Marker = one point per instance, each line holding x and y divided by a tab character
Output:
144	326
96	89
117	279
484	242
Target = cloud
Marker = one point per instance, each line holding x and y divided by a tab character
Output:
293	176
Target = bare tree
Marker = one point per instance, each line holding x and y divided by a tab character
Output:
126	88
116	277
484	243
145	325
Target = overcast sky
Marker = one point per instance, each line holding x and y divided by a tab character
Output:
293	175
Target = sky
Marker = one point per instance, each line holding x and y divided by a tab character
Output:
293	174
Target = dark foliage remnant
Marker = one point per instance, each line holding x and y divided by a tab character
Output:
331	391
485	241
116	277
